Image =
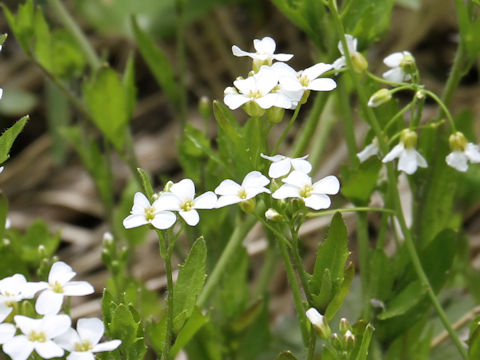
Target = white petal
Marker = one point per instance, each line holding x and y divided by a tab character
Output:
284	70
19	348
191	217
266	80
282	100
246	85
254	191
78	288
26	324
56	325
316	70
265	46
280	168
457	160
164	220
255	179
184	189
291	84
107	346
339	63
49	302
60	272
167	201
394	153
369	151
282	57
1	90
48	349
407	161
234	101
395	75
323	84
472	152
394	60
132	221
90	329
328	185
207	200
286	191
351	43
420	159
273	158
317	201
239	52
6	332
227	187
31	288
298	179
4	311
226	200
81	355
267	101
68	339
140	202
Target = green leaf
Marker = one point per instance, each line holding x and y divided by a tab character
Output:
287	355
106	99
380	281
157	63
469	26
9	136
358	184
43	49
22	24
321	291
474	340
189	284
366	338
129	85
245	319
341	293
193	325
404	301
147	185
157	334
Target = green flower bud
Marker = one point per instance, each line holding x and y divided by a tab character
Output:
360	64
248	206
408	64
457	142
204	107
272	215
319	323
167	187
380	97
348	341
275	114
305	96
253	109
344	326
409	138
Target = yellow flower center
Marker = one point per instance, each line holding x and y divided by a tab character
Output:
57	287
187	205
37	336
304	80
149	213
254	94
306	191
242	194
85	345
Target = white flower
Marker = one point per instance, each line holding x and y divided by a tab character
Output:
14	289
401	64
281	165
231	193
303	80
143	213
462	152
409	159
369	151
319	322
59	285
265	51
84	342
181	198
299	185
258	90
37	335
7	331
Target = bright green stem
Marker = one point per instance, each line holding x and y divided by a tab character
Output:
77	33
300	270
459	68
310	125
392	179
287	129
297	298
347	117
443	107
167	249
230	250
311	347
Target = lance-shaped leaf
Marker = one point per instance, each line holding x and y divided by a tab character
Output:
9	136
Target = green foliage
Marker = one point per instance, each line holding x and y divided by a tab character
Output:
358	184
9	136
192	326
146	183
474	339
469	26
108	102
287	355
22	24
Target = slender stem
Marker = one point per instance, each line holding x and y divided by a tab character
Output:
297	298
77	33
383	81
287	129
443	107
355	209
459	68
398	115
363	255
311	347
299	265
168	269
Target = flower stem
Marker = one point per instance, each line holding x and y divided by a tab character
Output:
300	270
287	129
166	253
311	347
443	107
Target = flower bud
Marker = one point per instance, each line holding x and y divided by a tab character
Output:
380	97
408	64
41	250
420	95
275	114
155	196
319	323
252	109
457	142
344	326
305	96
248	206
349	341
359	62
272	215
204	107
336	342
107	238
408	138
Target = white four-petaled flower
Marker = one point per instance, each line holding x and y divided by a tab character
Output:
181	198
265	51
14	289
409	159
282	165
231	193
84	342
37	335
299	185
59	285
401	64
462	152
145	213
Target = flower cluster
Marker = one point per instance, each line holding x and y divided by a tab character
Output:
51	334
180	197
274	85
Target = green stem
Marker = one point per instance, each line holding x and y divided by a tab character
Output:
311	347
363	255
355	209
443	107
347	117
287	129
386	82
299	265
168	269
398	115
77	33
459	68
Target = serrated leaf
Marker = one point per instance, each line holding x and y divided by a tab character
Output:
9	136
106	99
191	278
193	325
158	64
